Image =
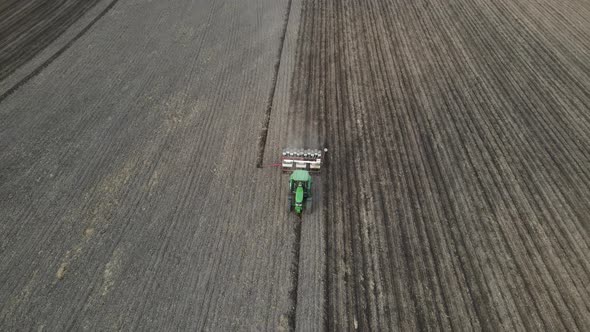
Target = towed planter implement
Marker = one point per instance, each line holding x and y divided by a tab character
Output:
301	163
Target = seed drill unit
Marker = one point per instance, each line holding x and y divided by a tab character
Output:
300	162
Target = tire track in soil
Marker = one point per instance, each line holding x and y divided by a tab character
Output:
302	129
262	142
267	115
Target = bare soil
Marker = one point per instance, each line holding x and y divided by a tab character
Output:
28	26
458	187
454	194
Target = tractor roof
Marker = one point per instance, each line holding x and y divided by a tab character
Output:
300	175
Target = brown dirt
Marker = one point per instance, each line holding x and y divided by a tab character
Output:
454	194
458	188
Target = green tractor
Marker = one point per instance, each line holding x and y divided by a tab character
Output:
300	191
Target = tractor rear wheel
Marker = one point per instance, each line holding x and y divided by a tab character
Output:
290	199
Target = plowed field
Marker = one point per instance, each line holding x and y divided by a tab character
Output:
28	26
136	135
458	193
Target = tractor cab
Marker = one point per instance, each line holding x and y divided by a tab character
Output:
300	191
